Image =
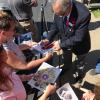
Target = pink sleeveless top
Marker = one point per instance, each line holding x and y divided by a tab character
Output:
18	91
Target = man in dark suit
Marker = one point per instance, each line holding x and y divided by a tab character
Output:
71	20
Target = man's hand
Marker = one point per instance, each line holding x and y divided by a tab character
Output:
48	56
34	3
44	44
56	46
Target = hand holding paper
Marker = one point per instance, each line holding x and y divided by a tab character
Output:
46	74
40	49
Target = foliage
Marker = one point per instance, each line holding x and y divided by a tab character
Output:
96	13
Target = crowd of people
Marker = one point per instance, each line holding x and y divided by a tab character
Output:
70	24
22	10
12	58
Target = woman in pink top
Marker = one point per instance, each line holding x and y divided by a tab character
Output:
11	87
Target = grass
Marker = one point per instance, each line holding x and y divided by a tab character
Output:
96	13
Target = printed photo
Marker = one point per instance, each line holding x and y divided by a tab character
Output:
25	37
46	74
66	92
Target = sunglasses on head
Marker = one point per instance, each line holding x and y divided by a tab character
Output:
5	22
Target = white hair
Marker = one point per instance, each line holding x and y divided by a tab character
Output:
64	3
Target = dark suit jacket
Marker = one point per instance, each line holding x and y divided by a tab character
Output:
75	36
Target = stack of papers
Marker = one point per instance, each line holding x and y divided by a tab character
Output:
38	48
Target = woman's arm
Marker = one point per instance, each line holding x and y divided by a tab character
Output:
17	63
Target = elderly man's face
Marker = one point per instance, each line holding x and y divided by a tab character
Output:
59	10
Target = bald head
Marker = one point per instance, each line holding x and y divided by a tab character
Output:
61	7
